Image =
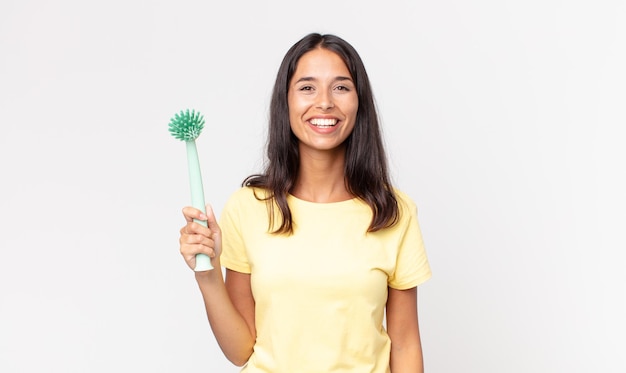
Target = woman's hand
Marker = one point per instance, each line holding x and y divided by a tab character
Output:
198	239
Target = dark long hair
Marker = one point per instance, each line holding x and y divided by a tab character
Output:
366	172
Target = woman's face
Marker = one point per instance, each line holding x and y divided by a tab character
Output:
322	101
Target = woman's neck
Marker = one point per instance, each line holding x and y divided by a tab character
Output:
321	178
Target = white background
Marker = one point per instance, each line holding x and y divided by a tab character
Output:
502	118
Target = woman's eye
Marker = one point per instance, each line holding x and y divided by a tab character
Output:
306	88
342	88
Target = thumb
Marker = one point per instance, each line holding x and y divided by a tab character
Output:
211	220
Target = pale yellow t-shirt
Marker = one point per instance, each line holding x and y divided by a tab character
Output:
321	293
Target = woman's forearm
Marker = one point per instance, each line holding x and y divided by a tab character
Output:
229	327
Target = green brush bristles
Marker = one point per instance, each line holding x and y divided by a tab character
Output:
186	125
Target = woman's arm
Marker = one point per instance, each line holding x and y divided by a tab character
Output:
229	305
230	310
403	329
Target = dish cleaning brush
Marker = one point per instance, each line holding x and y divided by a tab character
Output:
186	126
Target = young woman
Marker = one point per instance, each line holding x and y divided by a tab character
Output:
320	247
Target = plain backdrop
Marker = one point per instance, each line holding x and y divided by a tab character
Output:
503	121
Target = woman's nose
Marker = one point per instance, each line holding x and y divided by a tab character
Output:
325	100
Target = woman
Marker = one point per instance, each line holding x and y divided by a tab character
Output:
320	247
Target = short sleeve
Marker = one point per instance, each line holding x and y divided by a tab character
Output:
234	255
412	266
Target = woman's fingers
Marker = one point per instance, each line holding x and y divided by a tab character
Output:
195	238
192	228
196	234
191	213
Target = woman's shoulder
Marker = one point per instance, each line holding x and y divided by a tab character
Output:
247	194
405	202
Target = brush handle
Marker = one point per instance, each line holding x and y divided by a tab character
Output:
203	262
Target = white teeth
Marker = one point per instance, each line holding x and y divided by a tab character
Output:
323	123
